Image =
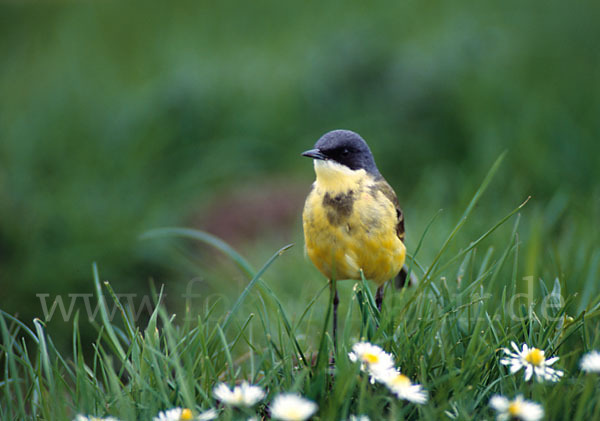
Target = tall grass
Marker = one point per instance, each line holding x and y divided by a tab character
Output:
446	334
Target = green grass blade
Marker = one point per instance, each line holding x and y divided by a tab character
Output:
205	238
482	188
106	323
483	236
250	285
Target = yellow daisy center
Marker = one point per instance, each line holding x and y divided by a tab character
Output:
237	395
370	358
535	357
401	380
293	414
186	414
514	409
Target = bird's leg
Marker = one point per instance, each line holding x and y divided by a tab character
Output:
336	301
379	297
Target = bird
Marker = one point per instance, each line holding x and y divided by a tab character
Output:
352	221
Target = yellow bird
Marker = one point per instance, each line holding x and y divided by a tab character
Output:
351	218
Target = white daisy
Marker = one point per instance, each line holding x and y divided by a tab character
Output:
518	408
591	362
372	358
184	414
534	361
243	395
290	407
91	418
402	387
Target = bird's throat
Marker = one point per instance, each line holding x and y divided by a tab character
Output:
334	177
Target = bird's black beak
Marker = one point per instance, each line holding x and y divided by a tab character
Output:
314	154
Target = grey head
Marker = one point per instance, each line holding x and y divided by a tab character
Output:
344	147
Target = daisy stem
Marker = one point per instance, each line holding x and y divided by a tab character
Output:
361	395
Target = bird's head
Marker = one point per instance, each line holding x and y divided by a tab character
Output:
346	148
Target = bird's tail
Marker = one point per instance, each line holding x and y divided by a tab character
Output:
403	279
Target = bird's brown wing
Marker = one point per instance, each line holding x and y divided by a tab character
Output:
401	279
388	192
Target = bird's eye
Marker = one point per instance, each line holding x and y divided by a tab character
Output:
345	152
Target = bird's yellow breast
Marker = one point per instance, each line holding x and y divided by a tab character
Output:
350	225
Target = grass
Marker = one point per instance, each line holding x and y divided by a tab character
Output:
446	334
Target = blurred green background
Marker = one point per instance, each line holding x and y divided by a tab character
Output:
116	119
